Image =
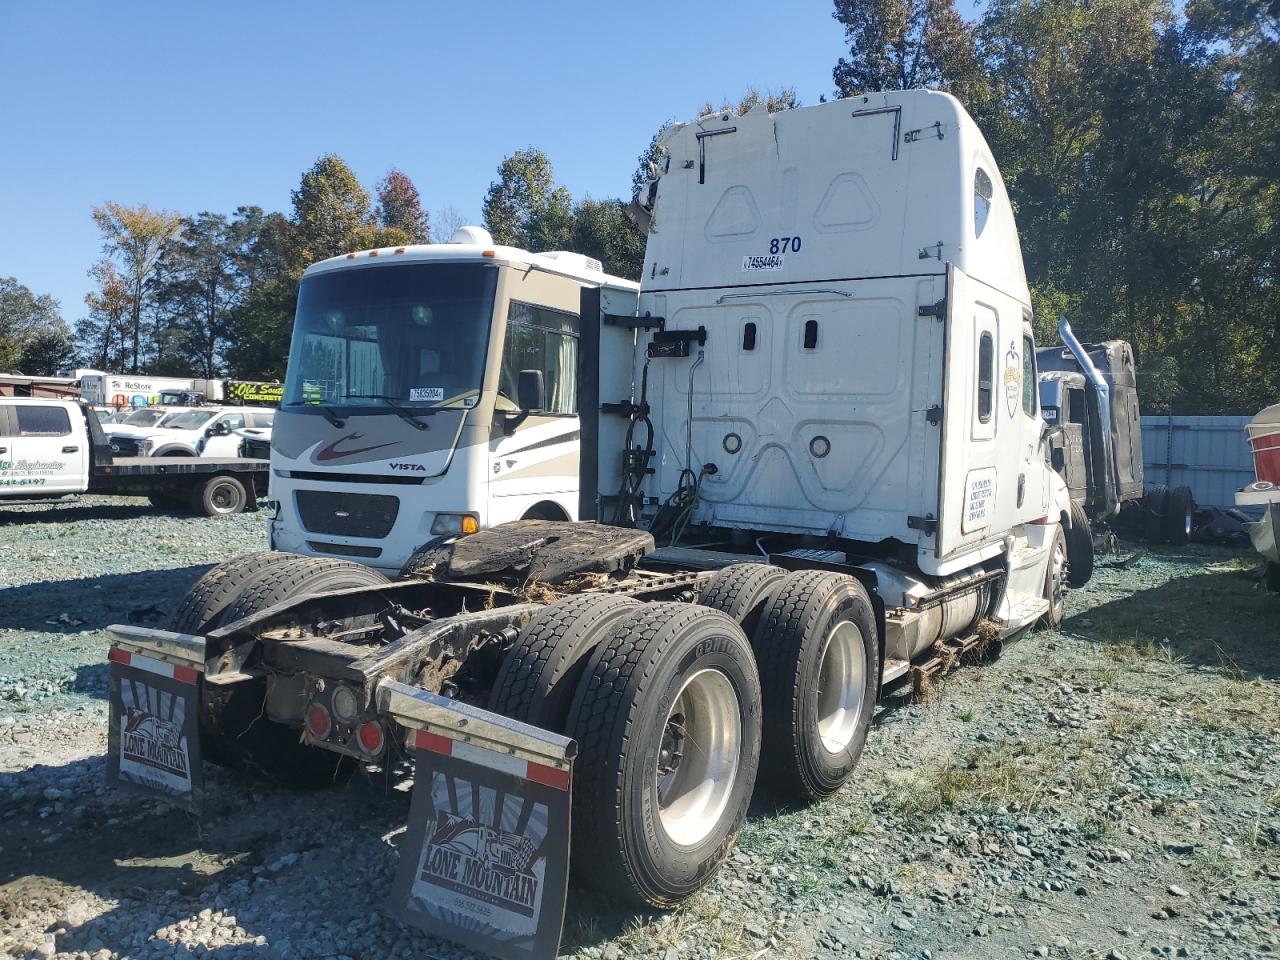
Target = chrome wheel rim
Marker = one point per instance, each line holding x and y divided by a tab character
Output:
1056	579
699	756
841	687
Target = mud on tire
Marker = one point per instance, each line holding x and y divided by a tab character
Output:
669	702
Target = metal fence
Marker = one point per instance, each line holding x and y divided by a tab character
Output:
1208	454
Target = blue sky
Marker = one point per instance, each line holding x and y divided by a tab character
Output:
207	106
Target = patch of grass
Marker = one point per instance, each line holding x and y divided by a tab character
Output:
965	715
1241	705
1025	776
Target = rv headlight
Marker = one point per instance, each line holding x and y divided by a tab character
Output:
454	524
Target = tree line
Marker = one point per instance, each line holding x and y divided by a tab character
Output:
1139	141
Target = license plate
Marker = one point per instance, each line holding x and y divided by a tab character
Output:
153	741
485	861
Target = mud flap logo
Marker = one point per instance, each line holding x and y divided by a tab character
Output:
153	744
486	859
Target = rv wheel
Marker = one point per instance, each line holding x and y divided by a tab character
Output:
1180	505
541	669
1079	548
667	717
1055	581
742	591
818	653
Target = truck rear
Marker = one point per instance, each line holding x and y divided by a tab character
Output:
815	454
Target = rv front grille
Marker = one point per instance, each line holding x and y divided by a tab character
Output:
347	514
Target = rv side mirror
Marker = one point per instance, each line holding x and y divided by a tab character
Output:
532	393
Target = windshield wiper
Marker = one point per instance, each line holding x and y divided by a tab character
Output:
396	405
332	417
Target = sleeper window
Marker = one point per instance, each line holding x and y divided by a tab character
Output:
1029	379
982	193
986	374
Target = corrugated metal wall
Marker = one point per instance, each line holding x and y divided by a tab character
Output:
1208	454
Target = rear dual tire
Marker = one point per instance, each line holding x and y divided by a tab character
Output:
667	716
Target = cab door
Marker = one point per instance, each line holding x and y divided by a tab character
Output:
47	454
220	439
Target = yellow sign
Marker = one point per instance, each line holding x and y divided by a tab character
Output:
256	392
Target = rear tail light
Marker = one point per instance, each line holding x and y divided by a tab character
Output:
369	735
318	723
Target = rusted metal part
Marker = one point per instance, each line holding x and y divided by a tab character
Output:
184	649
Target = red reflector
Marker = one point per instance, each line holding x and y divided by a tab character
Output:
541	773
318	723
185	674
433	742
370	736
116	655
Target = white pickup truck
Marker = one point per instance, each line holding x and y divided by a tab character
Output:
51	449
198	432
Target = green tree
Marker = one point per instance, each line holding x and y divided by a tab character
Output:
602	229
201	282
901	44
525	208
135	238
330	211
400	207
34	339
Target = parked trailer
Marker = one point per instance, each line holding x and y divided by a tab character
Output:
55	449
823	406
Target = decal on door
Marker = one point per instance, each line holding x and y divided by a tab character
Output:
1012	379
979	499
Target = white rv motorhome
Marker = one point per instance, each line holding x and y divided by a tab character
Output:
431	391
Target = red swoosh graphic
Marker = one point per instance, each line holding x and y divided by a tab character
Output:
332	453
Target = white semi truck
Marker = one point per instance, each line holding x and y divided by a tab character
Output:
815	448
432	390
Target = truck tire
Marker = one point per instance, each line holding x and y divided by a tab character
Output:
667	717
208	597
540	671
297	577
1154	502
1079	548
1055	582
234	728
742	591
222	495
1180	506
819	658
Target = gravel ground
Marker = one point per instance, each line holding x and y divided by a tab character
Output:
1106	791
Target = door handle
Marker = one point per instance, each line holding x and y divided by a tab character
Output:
70	449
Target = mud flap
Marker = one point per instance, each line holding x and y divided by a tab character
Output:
485	860
153	739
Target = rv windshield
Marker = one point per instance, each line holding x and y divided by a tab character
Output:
411	335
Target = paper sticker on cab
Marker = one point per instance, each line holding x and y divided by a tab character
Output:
771	261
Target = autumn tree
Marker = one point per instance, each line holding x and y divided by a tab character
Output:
330	211
525	208
135	238
102	336
445	223
34	339
400	207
